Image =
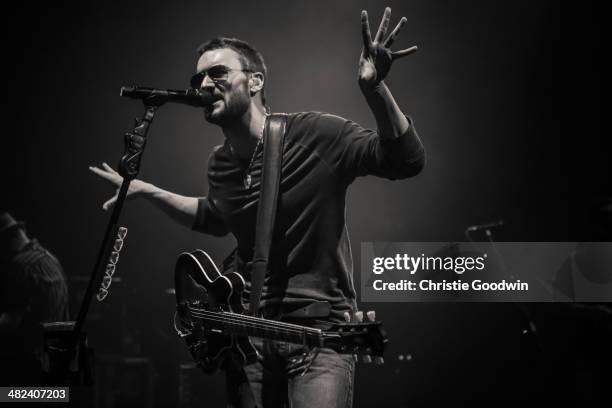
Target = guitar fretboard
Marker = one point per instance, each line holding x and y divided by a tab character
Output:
239	324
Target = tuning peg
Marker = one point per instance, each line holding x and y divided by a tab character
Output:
379	360
359	316
367	359
371	315
355	358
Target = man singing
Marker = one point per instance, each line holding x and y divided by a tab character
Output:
310	260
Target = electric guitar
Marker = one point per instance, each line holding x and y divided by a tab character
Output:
211	318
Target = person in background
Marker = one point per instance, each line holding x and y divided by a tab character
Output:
33	290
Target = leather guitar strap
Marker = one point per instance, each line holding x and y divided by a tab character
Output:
268	199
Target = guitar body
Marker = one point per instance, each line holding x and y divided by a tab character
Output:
199	282
211	318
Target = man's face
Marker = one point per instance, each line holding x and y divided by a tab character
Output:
227	82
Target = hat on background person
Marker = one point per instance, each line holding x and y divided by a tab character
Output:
7	222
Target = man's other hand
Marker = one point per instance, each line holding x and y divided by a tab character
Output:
137	187
376	57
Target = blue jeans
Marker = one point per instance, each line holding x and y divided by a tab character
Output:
290	376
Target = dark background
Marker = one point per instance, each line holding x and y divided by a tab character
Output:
506	97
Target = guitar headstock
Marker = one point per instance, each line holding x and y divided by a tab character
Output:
358	337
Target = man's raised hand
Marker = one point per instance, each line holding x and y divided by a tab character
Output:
376	58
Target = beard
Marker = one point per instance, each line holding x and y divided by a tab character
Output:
225	111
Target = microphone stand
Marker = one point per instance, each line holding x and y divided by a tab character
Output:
73	346
129	166
529	329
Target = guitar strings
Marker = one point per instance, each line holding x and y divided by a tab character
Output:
286	335
235	319
255	322
304	333
253	319
261	322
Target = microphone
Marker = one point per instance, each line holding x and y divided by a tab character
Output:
489	225
157	97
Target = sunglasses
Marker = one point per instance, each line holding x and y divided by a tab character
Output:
218	73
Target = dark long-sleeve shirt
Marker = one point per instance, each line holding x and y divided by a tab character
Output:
311	255
32	285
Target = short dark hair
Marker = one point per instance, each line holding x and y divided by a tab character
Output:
250	58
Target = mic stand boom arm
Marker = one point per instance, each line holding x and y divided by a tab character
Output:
67	359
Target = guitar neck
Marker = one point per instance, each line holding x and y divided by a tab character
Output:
238	324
